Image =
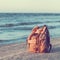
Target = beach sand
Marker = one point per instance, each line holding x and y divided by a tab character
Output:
18	51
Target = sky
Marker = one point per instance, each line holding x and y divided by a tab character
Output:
30	6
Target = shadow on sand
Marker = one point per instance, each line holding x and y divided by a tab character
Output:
55	48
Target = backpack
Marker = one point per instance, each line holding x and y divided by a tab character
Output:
40	42
44	41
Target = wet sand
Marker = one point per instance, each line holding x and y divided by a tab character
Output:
18	52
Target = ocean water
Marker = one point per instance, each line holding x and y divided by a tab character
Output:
15	27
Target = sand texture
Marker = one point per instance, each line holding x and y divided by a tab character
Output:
19	52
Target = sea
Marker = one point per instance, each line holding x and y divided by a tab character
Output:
16	27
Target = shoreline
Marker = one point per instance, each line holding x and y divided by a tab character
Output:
17	51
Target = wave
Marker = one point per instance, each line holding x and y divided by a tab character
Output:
30	28
52	27
5	41
17	39
28	14
23	23
26	23
25	28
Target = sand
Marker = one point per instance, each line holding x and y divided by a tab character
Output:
18	51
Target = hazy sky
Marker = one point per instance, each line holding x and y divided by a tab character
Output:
30	6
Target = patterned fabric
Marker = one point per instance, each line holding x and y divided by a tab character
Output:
39	40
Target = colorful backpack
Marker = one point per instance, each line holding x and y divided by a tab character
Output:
39	41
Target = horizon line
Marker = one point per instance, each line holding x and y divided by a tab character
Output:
34	12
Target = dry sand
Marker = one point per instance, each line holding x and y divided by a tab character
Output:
19	52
